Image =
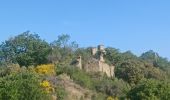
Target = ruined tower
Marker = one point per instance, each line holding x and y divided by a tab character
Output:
101	51
94	51
79	63
98	64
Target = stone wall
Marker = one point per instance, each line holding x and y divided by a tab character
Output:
94	65
105	68
93	51
79	62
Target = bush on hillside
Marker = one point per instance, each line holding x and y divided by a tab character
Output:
79	76
21	86
150	90
45	69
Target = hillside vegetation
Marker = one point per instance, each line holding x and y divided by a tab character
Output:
33	69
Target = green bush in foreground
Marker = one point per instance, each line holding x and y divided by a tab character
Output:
21	86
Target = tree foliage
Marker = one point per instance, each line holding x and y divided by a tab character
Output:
62	49
157	61
130	71
150	90
25	49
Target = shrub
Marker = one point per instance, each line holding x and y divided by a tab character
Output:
98	96
21	86
82	78
79	76
47	86
116	88
150	90
110	98
4	71
46	69
61	93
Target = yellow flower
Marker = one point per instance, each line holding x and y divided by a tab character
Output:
110	98
46	69
45	84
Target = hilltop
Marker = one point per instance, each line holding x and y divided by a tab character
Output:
32	69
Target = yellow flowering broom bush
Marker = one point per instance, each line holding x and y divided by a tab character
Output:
111	98
47	86
46	69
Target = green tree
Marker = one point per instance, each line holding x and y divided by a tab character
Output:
155	60
154	73
114	56
130	71
62	49
151	57
25	49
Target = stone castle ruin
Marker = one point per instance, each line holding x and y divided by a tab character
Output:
96	64
79	62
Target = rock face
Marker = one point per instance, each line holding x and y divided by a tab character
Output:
97	64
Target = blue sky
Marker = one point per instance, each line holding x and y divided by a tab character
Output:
136	25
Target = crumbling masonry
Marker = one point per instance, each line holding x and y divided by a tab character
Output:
97	64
